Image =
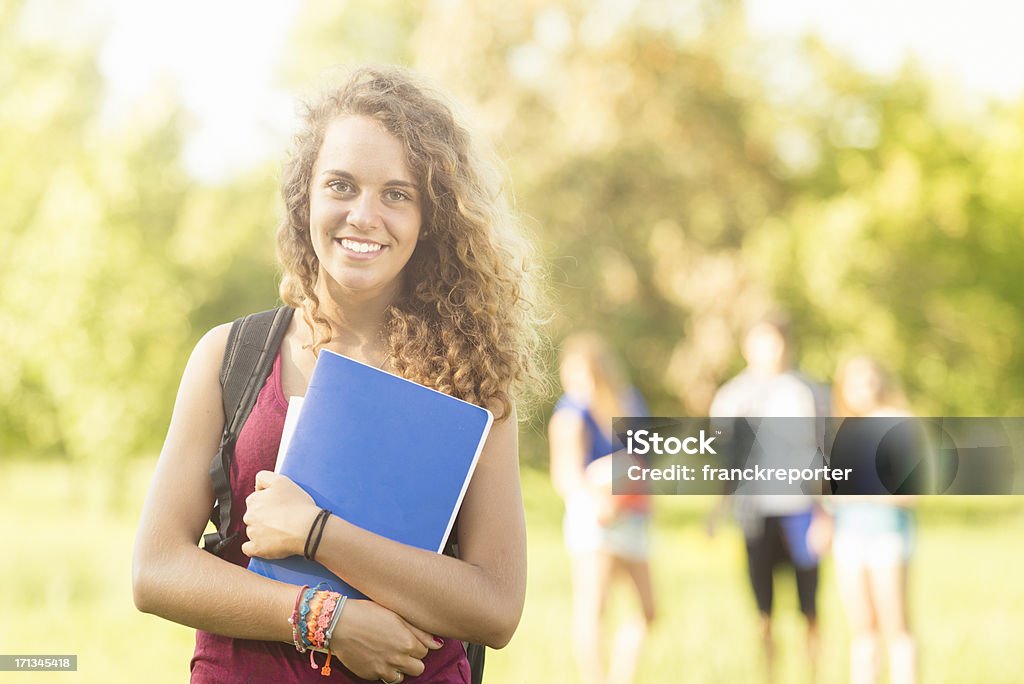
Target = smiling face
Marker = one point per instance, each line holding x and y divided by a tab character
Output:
365	211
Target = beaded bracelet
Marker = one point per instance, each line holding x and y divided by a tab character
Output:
322	608
293	620
313	620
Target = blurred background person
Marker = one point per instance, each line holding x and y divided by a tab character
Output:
872	542
606	534
774	526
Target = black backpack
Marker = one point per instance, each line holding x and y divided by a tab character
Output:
248	358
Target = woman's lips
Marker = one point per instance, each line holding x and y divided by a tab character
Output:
360	249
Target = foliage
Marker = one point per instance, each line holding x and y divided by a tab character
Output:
679	176
113	256
903	240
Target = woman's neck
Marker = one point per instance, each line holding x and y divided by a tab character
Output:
357	322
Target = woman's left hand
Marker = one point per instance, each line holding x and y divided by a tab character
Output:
278	516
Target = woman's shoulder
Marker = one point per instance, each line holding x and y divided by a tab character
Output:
212	344
202	372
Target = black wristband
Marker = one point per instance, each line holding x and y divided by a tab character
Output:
319	534
319	521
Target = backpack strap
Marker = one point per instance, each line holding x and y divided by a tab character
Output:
248	359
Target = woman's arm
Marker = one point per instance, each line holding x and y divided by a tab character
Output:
175	579
172	576
477	597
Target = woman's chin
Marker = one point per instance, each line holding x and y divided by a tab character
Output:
363	284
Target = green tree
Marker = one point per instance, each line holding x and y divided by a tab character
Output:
114	261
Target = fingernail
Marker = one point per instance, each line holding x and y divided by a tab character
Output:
439	641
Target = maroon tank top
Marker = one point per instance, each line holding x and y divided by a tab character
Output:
223	660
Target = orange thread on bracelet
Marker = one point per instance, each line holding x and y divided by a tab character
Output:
315	606
323	621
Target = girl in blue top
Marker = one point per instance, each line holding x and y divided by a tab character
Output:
606	534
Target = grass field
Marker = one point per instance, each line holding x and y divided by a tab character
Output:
65	587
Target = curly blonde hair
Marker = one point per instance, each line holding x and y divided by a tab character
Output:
467	320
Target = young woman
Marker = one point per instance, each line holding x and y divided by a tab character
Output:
774	526
607	535
872	542
398	250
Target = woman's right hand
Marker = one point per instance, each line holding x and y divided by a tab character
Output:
376	643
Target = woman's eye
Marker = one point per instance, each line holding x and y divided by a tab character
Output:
340	186
395	195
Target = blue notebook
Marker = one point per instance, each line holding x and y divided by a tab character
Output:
386	454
